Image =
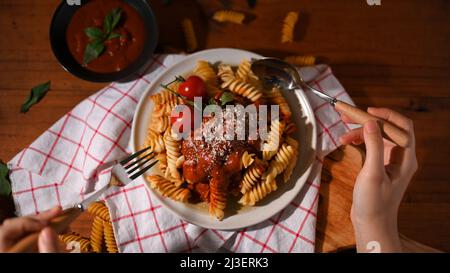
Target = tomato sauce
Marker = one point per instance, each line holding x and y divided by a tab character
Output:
119	52
216	160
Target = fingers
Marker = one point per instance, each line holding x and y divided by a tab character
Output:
355	136
393	117
374	163
346	119
48	241
47	215
16	228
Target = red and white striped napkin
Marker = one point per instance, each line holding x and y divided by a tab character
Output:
70	160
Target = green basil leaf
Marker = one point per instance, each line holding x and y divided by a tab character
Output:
111	20
5	183
92	51
113	36
36	94
94	33
226	98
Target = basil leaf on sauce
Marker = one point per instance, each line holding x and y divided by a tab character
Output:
36	94
97	37
94	33
113	36
93	50
226	98
111	20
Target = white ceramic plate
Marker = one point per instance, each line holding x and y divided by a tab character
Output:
239	218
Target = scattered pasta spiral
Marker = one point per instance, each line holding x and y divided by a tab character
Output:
276	97
301	60
84	243
243	89
99	209
229	16
110	240
244	72
217	197
270	148
168	188
166	97
290	168
287	32
173	153
162	163
155	141
252	175
225	73
247	159
189	34
97	235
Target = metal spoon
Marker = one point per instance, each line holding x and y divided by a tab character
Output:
275	72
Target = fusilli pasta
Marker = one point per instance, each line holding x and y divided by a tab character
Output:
252	175
225	73
110	240
276	97
229	16
84	243
189	34
270	148
173	153
287	32
97	235
168	188
301	60
244	89
99	209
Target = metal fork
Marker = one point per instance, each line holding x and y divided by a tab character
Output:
125	170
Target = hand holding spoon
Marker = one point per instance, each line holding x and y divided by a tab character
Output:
275	72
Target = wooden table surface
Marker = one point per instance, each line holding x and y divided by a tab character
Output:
394	55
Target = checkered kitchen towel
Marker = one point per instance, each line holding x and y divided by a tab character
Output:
68	162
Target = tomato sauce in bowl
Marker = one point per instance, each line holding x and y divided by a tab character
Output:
119	52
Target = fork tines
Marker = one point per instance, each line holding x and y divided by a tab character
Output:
139	162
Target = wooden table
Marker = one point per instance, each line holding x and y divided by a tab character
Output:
394	55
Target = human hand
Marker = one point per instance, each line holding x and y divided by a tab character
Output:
382	181
14	229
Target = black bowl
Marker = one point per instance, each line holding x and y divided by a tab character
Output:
60	21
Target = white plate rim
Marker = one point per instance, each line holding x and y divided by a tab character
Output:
214	223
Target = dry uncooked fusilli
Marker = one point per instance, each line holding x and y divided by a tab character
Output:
110	240
189	34
96	237
301	60
287	32
229	16
74	240
99	209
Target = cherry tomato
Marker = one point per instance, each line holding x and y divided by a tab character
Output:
194	86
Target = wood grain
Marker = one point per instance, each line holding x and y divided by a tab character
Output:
394	55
